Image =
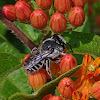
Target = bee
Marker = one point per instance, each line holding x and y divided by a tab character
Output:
50	50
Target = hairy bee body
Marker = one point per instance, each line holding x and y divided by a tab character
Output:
50	49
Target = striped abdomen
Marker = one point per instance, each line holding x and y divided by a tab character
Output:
32	64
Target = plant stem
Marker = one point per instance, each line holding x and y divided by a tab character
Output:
17	32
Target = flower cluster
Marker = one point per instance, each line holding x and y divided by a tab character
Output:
49	15
88	80
85	87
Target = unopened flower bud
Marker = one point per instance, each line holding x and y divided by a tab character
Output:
44	4
58	22
79	3
67	62
23	10
38	19
37	79
63	6
9	12
76	16
66	87
95	90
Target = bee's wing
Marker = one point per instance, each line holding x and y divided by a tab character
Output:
37	58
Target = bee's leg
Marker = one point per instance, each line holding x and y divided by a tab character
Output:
34	51
48	68
56	60
70	47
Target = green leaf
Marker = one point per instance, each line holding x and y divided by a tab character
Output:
8	63
86	25
2	28
34	34
56	92
16	82
45	89
9	43
10	56
16	43
83	42
6	47
34	4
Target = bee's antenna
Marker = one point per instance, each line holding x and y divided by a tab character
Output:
70	47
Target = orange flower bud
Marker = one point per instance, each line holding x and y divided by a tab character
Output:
67	62
95	90
38	19
66	87
63	6
44	4
76	16
9	12
23	10
37	79
58	22
79	3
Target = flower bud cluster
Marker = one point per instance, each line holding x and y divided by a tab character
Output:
42	18
20	11
87	84
65	87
